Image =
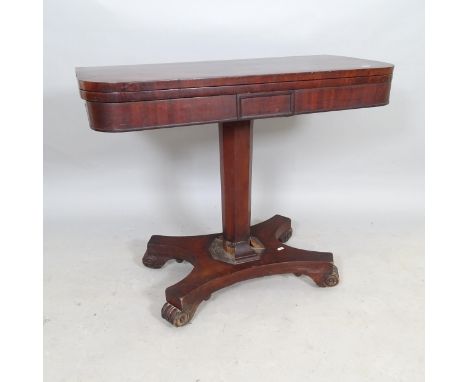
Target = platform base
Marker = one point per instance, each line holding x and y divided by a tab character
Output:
209	275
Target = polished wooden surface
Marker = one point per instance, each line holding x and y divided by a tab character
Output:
203	91
209	275
235	146
139	97
132	116
233	94
229	72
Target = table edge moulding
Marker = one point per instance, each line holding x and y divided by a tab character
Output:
232	93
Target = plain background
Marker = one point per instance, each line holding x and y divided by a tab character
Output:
352	181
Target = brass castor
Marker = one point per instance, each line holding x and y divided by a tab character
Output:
286	236
176	316
332	279
152	261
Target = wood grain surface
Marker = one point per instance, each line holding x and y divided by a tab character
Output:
138	97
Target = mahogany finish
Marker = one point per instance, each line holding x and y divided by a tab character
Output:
233	94
209	275
135	78
235	146
138	97
128	116
228	89
258	105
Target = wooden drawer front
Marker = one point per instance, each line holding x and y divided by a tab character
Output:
265	105
338	98
128	116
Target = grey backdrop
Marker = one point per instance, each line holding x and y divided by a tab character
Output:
346	178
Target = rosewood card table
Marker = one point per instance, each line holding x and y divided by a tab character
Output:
232	94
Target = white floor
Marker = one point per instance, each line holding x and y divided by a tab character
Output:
102	307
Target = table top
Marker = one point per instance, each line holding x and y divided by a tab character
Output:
228	72
137	97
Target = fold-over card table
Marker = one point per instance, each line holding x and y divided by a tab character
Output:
232	94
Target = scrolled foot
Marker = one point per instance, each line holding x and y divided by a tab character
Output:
154	261
332	279
176	316
286	236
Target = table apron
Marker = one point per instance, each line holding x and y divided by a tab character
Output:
131	116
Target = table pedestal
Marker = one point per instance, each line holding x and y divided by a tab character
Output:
242	251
